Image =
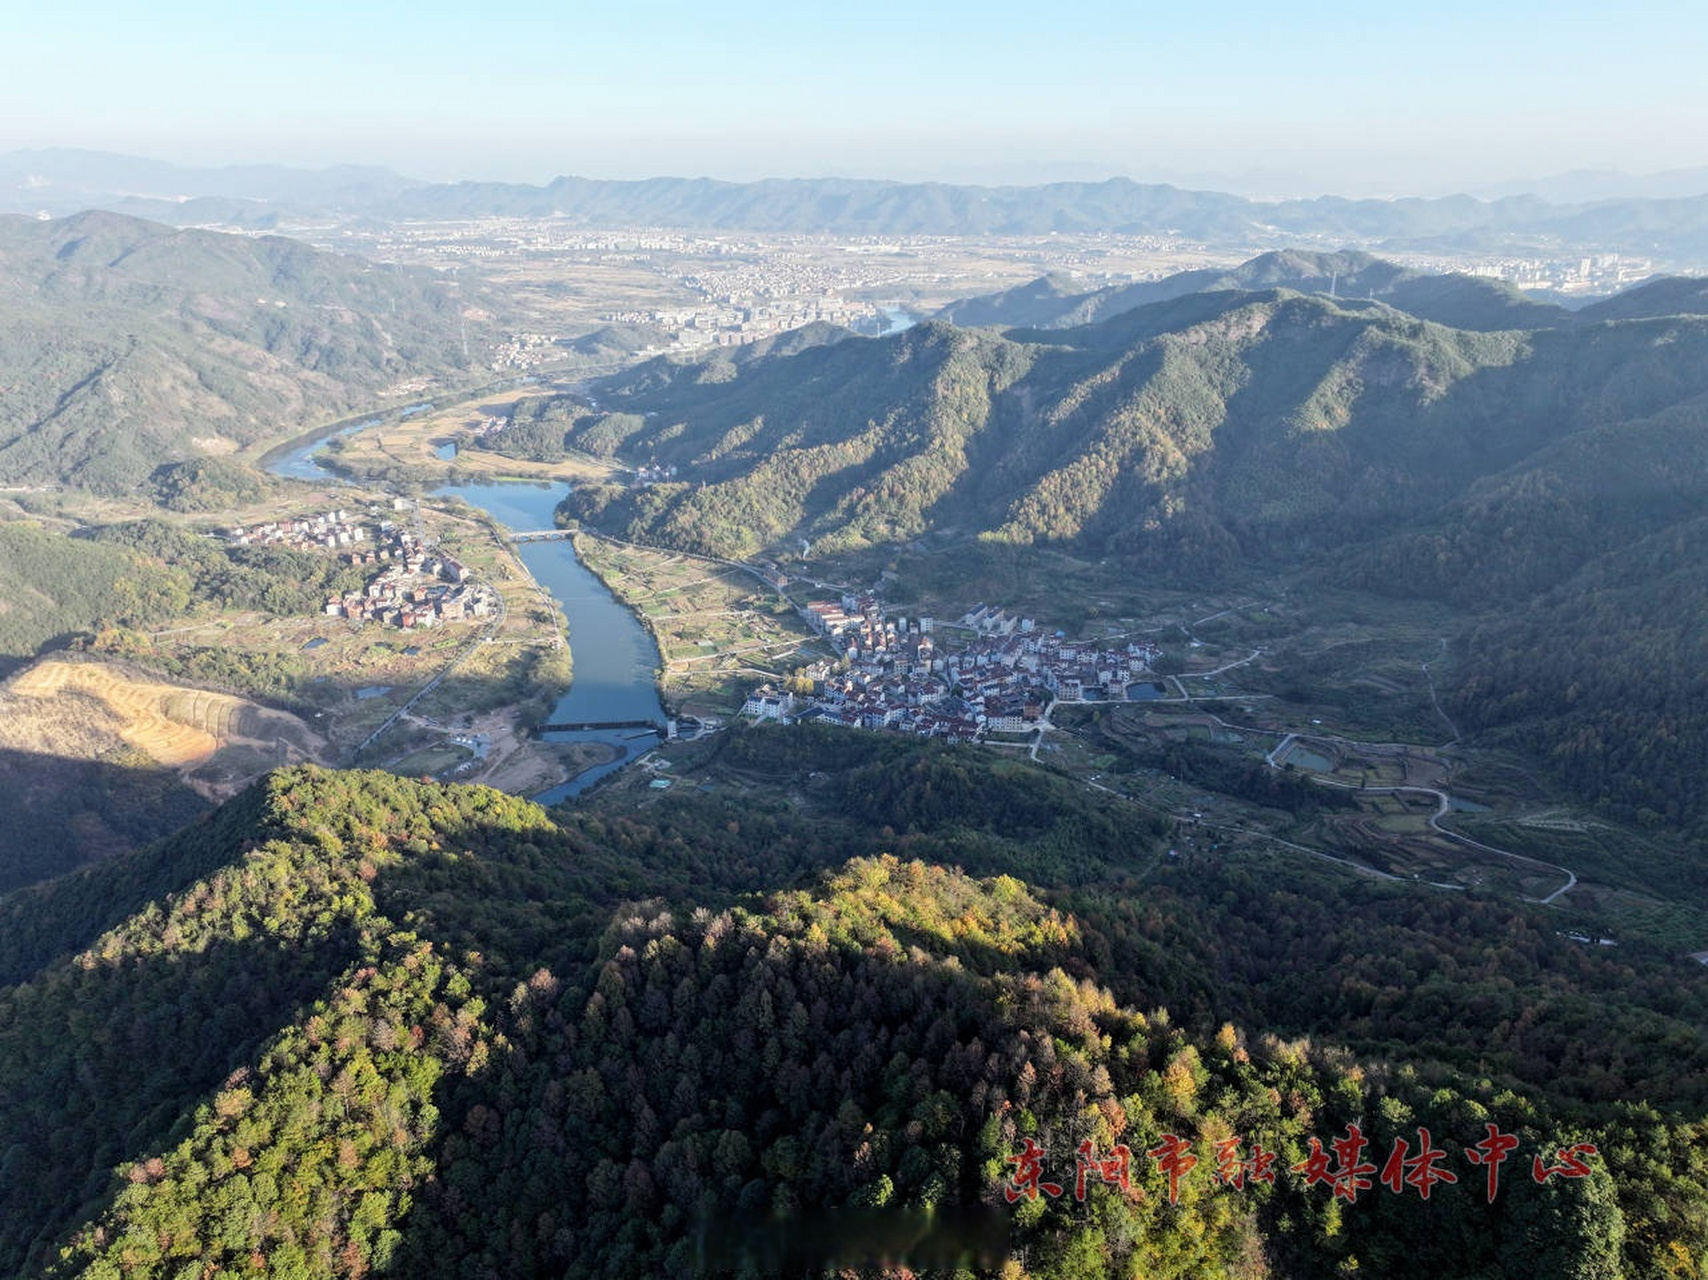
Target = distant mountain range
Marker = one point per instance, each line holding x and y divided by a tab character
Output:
129	344
1455	300
64	181
1586	186
1673	229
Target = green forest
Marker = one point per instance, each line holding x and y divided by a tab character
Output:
352	1024
141	574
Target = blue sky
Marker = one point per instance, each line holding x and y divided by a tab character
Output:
1339	95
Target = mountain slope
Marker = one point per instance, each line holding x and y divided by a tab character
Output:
1190	433
1037	304
1668	296
360	1025
1538	475
132	344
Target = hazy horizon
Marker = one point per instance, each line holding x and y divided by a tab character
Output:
1261	185
1332	100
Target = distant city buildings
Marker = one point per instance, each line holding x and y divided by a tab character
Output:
705	290
730	325
1601	274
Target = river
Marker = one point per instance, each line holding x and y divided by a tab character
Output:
615	659
298	462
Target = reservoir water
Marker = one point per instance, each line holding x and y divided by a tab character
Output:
890	318
895	320
615	659
1305	758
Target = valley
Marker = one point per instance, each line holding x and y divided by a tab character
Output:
930	540
1246	677
1249	715
1237	751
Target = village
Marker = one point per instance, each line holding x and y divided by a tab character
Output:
416	588
894	674
329	531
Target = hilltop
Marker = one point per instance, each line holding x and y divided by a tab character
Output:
354	1024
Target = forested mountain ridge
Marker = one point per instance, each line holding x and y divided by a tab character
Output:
1670	295
130	344
1455	300
355	1025
1188	433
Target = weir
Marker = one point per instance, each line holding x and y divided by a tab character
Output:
579	727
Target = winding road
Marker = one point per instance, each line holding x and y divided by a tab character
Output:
1443	801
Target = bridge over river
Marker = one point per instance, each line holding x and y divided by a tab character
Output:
541	535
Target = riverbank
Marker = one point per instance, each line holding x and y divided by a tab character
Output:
719	628
616	659
265	455
582	641
398	446
413	450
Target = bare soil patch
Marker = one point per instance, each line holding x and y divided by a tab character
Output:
216	741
